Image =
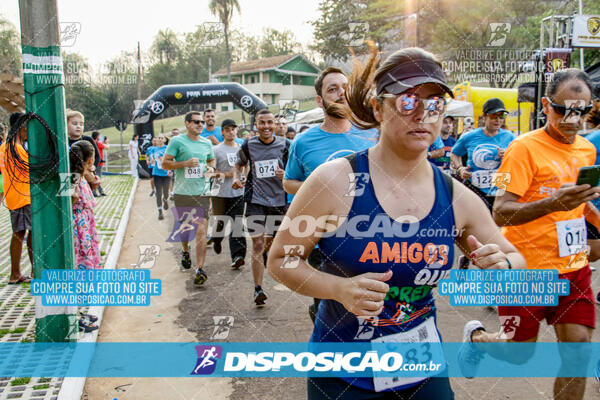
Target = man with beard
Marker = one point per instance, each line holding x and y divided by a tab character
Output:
336	137
211	131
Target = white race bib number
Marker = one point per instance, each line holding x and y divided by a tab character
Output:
266	168
572	236
483	178
427	343
232	159
194	172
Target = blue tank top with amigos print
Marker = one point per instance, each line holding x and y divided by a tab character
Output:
419	253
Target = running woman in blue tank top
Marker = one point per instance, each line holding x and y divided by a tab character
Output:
386	221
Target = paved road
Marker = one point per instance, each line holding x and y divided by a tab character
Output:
185	313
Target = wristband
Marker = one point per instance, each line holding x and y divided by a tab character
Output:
508	262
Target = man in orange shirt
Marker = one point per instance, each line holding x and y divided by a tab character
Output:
542	214
17	200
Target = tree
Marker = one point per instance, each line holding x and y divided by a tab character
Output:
10	43
346	23
223	9
166	46
276	43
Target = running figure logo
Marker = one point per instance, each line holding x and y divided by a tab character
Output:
501	180
366	328
508	326
186	223
292	254
68	183
207	359
499	33
148	255
223	323
357	183
572	115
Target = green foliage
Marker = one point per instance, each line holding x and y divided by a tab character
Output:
10	55
19	381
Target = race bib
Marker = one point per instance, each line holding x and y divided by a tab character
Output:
572	236
483	178
266	168
194	172
232	159
427	343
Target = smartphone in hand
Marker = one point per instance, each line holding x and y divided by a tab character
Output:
589	175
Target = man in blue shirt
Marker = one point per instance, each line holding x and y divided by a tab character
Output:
336	137
211	131
448	141
484	148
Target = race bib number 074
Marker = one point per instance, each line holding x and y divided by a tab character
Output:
266	168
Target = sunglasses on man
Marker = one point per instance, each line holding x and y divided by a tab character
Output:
197	121
562	109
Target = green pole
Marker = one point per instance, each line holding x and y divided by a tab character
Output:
51	212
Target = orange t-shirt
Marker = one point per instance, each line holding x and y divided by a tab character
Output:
16	183
537	165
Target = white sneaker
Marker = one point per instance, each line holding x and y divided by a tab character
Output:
469	356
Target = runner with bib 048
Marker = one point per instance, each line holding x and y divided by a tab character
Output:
363	273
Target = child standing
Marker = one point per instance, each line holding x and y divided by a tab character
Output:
85	238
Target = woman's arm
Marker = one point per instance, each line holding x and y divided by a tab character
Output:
321	196
479	236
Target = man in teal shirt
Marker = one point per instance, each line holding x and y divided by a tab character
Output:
191	157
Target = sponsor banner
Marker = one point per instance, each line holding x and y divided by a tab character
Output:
120	287
504	287
361	359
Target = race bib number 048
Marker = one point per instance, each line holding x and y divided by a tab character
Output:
266	168
572	236
194	172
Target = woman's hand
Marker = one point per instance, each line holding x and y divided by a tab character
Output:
363	294
486	256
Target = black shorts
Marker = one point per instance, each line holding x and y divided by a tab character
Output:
203	202
20	219
263	219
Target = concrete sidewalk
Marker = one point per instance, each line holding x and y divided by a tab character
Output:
17	310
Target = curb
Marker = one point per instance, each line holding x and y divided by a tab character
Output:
72	387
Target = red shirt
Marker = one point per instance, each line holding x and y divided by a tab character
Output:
101	147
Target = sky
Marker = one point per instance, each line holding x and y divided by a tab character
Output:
110	26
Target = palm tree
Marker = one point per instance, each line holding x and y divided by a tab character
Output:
223	9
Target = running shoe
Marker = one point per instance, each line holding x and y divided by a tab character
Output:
186	261
463	262
165	204
469	356
171	196
160	215
237	262
152	193
200	277
259	296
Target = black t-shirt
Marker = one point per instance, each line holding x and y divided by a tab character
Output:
93	143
